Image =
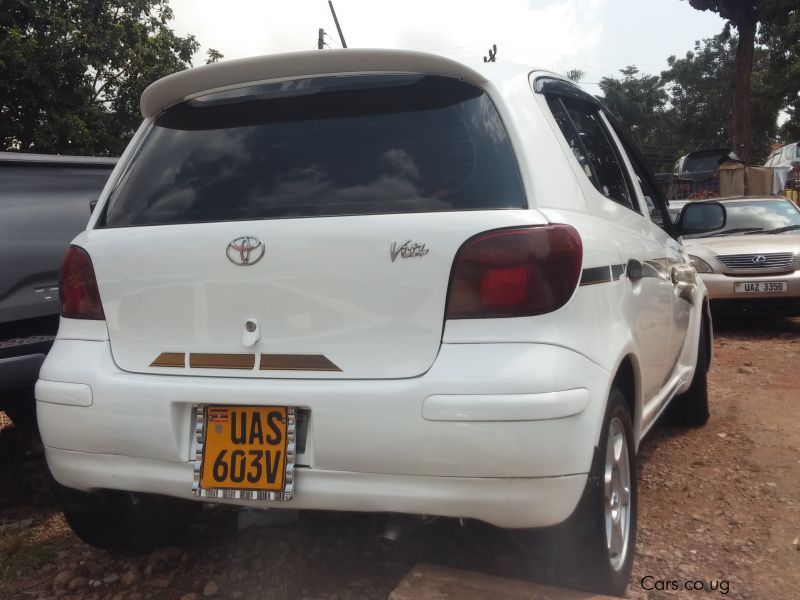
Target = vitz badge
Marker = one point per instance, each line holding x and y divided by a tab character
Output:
408	249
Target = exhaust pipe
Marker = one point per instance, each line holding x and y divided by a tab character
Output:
399	527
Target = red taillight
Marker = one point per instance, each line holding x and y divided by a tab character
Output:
77	287
515	272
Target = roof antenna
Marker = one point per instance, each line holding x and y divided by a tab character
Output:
492	54
335	20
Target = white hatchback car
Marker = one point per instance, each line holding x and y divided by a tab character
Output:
373	281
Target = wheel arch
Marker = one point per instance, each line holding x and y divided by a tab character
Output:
627	378
709	330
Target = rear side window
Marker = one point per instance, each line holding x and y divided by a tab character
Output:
593	148
350	145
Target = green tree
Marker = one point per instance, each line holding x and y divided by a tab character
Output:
700	87
780	35
688	107
213	56
744	16
72	71
640	101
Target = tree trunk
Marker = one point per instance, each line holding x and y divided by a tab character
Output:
741	139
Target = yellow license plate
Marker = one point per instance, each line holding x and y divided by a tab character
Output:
245	448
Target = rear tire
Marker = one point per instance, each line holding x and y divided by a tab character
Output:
594	549
690	409
124	521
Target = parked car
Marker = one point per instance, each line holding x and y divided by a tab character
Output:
752	265
696	174
786	160
787	156
372	280
44	203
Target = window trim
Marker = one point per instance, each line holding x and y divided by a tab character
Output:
636	158
597	109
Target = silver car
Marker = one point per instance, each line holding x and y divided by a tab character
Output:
752	265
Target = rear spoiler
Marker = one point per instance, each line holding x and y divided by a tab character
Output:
177	87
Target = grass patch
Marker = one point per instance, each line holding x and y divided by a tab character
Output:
20	555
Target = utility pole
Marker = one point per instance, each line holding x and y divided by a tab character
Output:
321	39
492	54
335	20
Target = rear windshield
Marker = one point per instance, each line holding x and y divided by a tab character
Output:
702	162
351	145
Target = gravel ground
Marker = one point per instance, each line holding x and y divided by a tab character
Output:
719	506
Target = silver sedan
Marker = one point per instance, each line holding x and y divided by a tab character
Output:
752	265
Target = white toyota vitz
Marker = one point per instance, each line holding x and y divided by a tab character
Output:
372	280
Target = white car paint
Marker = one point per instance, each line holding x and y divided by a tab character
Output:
409	423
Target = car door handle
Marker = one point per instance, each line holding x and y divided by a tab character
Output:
634	270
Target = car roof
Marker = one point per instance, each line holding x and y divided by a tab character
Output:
752	199
232	73
55	159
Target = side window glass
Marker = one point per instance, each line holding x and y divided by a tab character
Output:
564	124
593	148
650	198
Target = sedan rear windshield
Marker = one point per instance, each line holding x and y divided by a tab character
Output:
349	145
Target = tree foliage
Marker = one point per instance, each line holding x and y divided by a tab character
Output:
213	56
763	26
72	71
780	35
640	101
701	85
744	16
688	106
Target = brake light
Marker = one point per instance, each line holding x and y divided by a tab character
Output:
517	272
77	287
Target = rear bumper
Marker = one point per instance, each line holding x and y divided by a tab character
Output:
505	502
504	433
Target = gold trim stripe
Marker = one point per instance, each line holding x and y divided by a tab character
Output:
296	362
269	362
170	359
222	361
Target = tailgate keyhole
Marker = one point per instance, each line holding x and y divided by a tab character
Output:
252	333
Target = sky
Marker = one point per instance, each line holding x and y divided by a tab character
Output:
597	36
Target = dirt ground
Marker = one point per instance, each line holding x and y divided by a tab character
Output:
719	508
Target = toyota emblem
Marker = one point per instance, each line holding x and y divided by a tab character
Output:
759	260
245	251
